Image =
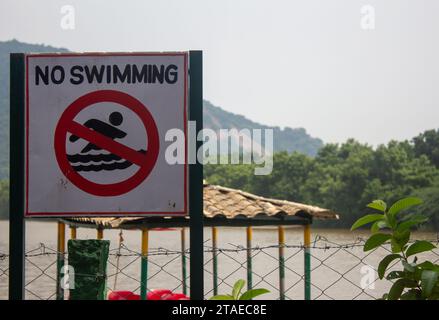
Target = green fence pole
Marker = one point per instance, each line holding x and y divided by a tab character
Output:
183	261
144	266
307	241
16	167
215	260
281	234
249	234
60	260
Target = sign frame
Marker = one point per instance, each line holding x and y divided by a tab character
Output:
92	213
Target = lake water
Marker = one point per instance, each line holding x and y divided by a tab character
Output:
338	273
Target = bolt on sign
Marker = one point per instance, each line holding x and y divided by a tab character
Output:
95	133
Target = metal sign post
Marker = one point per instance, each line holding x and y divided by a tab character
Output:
16	191
196	179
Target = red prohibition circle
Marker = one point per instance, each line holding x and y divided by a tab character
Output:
145	162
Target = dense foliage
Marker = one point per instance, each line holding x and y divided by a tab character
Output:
345	177
417	280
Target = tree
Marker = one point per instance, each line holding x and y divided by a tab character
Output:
427	143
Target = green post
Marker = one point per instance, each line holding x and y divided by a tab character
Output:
307	240
215	260
183	261
60	260
144	266
249	233
196	178
16	167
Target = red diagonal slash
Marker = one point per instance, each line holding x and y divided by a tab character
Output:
106	143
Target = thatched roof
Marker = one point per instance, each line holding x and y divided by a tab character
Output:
231	204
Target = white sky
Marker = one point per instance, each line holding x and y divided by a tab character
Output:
287	63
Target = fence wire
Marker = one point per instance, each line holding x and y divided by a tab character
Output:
338	270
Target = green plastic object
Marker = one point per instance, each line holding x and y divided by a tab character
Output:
89	261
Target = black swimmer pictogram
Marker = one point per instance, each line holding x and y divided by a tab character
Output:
104	161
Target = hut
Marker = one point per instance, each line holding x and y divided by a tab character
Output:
222	207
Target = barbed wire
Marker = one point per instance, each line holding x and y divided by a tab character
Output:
43	249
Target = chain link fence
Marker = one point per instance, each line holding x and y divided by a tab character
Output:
338	270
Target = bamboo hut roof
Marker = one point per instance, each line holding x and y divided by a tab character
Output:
225	204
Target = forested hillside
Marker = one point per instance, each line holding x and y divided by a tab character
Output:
345	177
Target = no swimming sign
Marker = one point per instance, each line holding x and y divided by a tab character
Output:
95	132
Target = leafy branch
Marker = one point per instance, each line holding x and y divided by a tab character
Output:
236	293
417	281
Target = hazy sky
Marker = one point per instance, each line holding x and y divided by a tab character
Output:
288	63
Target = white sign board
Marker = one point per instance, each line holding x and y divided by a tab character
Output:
95	134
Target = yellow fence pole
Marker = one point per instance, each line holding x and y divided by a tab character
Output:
144	265
281	236
73	233
307	241
249	237
100	234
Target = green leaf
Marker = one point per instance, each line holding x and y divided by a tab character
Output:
366	219
250	294
399	240
222	297
399	286
375	227
237	287
378	225
376	240
378	205
396	290
395	275
417	274
428	282
419	246
412	294
382	267
384	297
427	265
396	248
403	204
406	225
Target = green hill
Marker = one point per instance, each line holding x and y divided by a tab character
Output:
215	118
288	139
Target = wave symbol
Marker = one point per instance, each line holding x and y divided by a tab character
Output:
109	162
